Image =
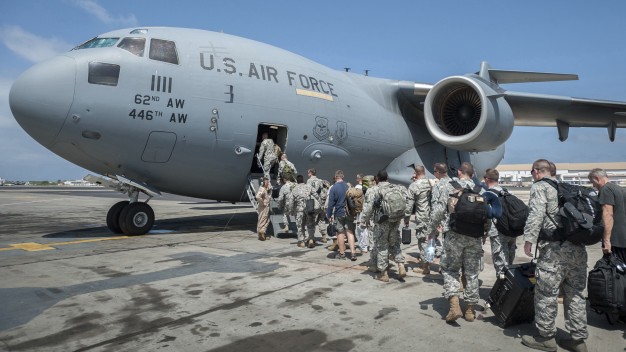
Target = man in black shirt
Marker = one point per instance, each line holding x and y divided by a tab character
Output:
613	200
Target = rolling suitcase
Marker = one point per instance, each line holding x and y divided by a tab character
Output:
512	297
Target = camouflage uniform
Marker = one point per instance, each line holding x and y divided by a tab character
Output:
266	154
320	219
502	247
558	264
281	167
460	251
369	202
301	193
386	234
418	197
436	193
285	201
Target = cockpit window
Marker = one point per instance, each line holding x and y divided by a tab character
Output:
97	43
134	45
105	74
163	50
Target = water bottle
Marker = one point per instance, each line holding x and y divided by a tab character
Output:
430	250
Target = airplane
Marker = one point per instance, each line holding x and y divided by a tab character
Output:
156	109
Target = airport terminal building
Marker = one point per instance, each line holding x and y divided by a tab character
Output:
519	174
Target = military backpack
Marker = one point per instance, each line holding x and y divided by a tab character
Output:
354	201
392	203
468	210
581	215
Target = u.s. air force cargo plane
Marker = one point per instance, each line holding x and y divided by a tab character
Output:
182	111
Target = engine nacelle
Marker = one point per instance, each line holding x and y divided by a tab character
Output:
466	113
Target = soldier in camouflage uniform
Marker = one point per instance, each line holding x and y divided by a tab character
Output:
370	196
285	201
440	171
461	252
266	154
301	192
559	263
502	247
418	201
386	234
318	185
286	166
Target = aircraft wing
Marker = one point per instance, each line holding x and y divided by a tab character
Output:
474	113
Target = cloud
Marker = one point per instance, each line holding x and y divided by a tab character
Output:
6	120
92	7
29	46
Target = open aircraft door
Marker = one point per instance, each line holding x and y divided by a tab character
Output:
276	132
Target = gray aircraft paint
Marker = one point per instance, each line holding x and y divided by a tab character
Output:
191	128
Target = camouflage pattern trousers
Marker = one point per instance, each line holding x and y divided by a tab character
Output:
461	252
422	240
561	266
320	221
268	162
305	222
502	251
387	242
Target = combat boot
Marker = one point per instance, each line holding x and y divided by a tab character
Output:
455	309
324	239
383	276
401	270
300	244
470	313
334	246
261	236
539	343
372	268
573	345
311	243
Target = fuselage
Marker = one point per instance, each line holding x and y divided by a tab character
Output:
184	114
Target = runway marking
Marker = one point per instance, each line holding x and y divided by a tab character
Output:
34	246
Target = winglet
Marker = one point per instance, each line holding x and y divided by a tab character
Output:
502	76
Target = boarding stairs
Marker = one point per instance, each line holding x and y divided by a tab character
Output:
276	215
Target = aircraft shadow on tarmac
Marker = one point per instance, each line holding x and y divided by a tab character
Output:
193	224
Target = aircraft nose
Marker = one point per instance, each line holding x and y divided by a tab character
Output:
41	97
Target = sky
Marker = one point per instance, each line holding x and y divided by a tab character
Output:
412	40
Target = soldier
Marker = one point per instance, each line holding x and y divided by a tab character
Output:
266	154
440	171
285	201
263	201
502	247
558	263
301	193
386	234
286	166
418	202
462	253
319	186
370	198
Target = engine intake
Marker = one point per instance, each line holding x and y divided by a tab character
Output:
466	113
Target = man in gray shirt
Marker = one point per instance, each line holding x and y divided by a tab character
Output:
613	199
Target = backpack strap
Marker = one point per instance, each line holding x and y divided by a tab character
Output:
551	182
456	185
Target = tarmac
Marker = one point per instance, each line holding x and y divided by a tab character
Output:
201	281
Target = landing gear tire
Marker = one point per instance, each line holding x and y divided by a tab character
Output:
136	219
113	216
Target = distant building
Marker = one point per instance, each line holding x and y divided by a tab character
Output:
1	181
79	183
576	173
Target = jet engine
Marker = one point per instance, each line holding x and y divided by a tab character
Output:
467	113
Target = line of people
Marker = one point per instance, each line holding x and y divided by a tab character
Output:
386	206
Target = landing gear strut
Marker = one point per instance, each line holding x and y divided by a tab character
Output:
130	217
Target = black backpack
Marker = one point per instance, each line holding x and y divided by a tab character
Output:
514	214
606	287
468	210
581	215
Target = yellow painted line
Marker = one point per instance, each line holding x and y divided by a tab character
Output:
313	94
34	247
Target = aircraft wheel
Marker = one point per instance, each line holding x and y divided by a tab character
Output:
113	216
136	219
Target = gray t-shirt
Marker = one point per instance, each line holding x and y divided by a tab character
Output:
614	195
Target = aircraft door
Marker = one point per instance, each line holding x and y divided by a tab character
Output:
278	133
